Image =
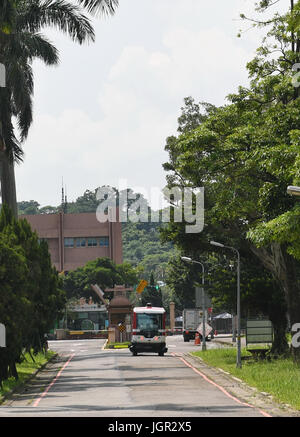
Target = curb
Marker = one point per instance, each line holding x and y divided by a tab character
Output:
224	343
243	391
20	387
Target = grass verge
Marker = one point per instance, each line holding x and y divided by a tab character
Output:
124	345
279	377
25	370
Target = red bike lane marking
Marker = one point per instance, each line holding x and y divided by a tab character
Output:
220	387
53	381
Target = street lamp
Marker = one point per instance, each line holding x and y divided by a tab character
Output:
293	191
190	260
238	311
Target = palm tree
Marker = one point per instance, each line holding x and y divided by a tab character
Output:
104	7
20	43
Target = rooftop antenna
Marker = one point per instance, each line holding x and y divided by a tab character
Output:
66	201
62	196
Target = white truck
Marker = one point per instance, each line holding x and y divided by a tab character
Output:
192	318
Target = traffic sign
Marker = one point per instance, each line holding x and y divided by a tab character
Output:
122	328
208	329
142	284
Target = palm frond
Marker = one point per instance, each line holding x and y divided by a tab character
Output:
21	94
11	143
21	51
58	14
32	46
103	7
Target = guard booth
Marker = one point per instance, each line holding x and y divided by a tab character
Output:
119	318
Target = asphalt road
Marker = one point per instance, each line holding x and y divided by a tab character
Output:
86	380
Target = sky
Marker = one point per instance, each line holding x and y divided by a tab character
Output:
103	115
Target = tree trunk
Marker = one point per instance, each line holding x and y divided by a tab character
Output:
13	370
8	184
280	345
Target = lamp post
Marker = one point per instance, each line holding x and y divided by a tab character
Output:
293	190
190	260
238	305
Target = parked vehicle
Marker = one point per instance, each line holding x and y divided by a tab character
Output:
178	330
148	330
192	318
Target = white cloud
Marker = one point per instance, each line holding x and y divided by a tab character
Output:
130	104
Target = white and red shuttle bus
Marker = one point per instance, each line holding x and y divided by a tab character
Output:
148	330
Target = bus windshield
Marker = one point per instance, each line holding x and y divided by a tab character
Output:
149	322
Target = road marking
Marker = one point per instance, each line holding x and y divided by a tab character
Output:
220	387
105	343
53	381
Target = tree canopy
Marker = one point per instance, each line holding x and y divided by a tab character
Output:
102	271
245	154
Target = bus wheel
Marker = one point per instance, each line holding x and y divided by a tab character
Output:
134	353
161	354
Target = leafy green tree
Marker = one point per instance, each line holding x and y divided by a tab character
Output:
181	278
193	114
102	271
28	207
30	295
13	304
245	154
48	210
86	203
152	293
226	155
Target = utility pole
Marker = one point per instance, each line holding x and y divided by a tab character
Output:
238	301
184	258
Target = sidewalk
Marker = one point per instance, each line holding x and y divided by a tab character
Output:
241	389
226	339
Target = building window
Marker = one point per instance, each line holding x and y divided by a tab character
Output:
80	242
104	241
69	242
92	242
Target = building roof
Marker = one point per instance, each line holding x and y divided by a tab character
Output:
119	301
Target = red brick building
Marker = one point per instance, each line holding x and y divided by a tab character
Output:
75	239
